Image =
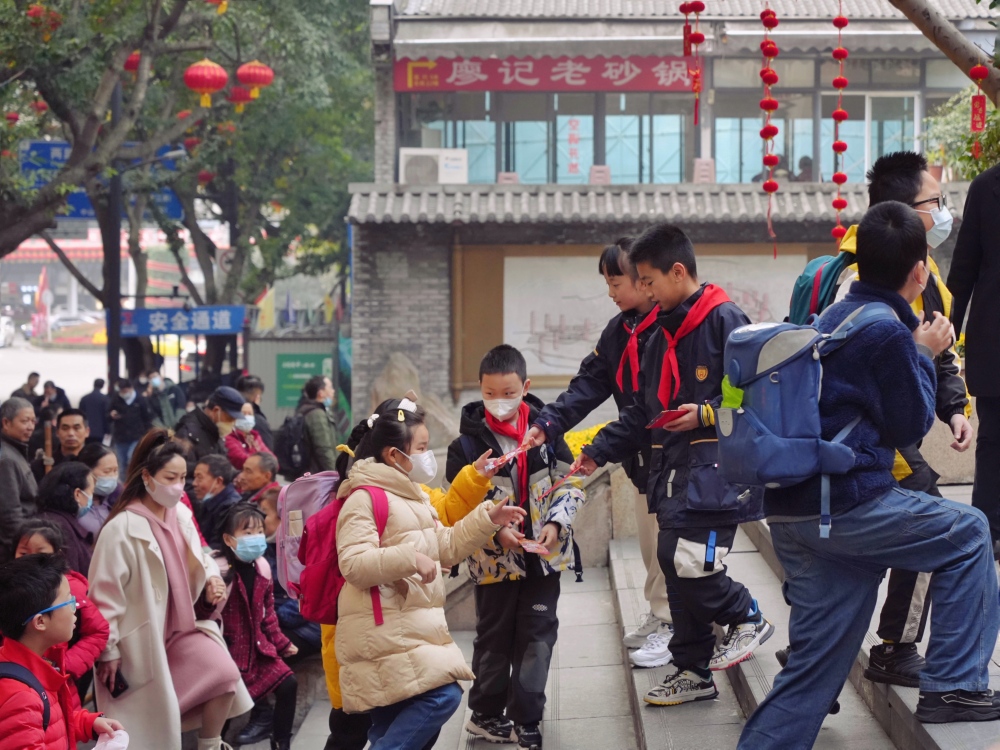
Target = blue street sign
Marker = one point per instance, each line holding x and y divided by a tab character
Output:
214	320
42	159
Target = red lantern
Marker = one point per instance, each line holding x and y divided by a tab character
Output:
45	20
839	115
191	143
256	75
40	107
12	118
770	186
205	78
840	203
768	132
769	105
839	147
693	38
838	232
205	177
978	73
223	5
132	62
840	82
768	76
240	97
840	22
771	160
769	49
840	178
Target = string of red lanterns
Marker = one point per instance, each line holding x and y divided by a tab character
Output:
255	75
979	73
840	82
769	49
693	38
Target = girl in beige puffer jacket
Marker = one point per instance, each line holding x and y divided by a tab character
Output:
405	671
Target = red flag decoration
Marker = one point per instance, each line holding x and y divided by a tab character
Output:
693	38
978	74
840	82
769	104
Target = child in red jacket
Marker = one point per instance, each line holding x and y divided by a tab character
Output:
250	627
38	613
38	536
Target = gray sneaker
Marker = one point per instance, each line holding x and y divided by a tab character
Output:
740	641
637	638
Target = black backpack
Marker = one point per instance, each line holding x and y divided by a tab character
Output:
291	447
11	671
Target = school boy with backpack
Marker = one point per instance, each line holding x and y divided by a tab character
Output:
517	591
698	513
612	371
878	393
903	177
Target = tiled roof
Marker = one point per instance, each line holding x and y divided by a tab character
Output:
542	204
624	9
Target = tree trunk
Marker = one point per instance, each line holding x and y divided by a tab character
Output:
947	38
138	351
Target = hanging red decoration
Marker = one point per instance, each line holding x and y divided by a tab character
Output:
223	5
45	20
769	49
256	75
12	118
191	143
205	177
205	78
979	73
132	62
694	38
40	107
240	97
839	115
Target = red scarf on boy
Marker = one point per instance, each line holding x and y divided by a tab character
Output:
631	353
670	376
516	432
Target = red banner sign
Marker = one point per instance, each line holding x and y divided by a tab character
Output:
978	113
545	74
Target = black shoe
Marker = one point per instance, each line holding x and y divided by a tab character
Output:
895	664
782	656
529	737
957	705
281	744
258	728
347	731
498	729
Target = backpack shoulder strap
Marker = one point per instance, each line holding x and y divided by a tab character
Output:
468	448
11	671
380	504
856	322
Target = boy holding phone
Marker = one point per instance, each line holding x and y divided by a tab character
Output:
38	612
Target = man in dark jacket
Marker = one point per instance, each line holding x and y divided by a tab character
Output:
167	400
252	389
213	487
17	485
27	391
697	511
320	431
95	406
206	428
52	396
975	268
131	418
72	431
881	385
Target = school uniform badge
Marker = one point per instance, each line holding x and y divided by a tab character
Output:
701	372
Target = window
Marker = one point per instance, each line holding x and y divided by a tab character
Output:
852	132
944	74
645	139
794	142
574	137
738	146
527	136
740	73
891	126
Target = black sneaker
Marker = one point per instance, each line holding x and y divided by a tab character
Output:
258	728
895	664
529	737
496	729
957	705
782	656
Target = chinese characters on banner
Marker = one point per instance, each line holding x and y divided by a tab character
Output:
215	320
544	74
573	167
978	113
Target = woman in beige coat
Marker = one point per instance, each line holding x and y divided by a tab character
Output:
156	588
405	671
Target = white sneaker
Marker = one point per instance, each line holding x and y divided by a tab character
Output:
655	652
637	638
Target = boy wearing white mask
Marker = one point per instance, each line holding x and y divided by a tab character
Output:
517	591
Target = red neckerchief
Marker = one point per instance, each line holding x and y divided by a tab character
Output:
631	353
670	376
516	432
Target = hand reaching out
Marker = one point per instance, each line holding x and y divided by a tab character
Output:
503	514
549	537
534	438
584	465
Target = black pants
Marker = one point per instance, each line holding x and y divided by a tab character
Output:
904	614
986	490
516	628
699	590
284	708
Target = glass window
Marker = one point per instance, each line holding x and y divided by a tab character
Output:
672	148
470	128
574	137
526	127
900	72
858	72
738	146
891	127
852	132
945	74
794	143
743	73
645	137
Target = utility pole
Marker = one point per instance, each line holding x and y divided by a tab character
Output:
113	255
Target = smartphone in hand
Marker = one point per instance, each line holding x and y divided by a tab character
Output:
120	684
665	417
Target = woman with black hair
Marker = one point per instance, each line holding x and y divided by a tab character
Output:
157	589
66	495
403	665
103	463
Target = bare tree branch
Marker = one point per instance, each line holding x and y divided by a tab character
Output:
177	247
71	267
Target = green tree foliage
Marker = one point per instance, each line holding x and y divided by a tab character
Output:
949	140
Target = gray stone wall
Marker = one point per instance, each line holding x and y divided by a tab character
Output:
385	126
401	302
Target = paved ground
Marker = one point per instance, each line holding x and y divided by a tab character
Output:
74	370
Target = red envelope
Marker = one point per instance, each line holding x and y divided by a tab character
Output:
665	418
530	545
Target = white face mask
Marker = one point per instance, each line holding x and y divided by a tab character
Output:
503	408
943	221
245	424
424	467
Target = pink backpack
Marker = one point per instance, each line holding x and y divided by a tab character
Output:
321	580
297	503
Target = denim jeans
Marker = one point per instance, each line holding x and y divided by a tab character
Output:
409	724
831	586
124	452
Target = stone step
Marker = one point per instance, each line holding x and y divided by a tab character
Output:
893	707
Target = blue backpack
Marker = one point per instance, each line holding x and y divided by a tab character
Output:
769	422
816	288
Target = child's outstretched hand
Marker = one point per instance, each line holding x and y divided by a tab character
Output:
584	465
509	538
502	514
549	537
482	468
107	726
